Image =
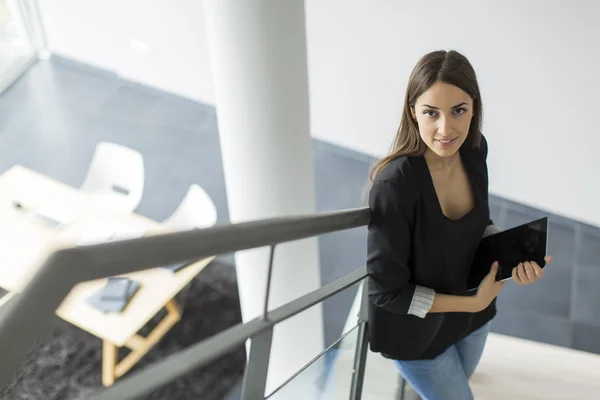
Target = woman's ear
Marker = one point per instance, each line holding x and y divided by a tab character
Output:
412	112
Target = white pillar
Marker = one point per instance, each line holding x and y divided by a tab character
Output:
259	65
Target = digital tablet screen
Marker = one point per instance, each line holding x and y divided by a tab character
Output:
525	242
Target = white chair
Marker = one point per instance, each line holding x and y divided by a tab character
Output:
115	177
196	210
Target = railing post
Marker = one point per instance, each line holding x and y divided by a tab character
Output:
257	368
401	388
269	275
255	378
362	346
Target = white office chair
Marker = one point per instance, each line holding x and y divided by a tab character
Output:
196	210
115	177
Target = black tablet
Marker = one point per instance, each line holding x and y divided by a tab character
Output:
522	243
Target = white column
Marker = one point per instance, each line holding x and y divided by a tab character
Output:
259	65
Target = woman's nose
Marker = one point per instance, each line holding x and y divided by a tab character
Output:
443	126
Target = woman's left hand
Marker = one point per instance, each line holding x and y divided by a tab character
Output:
528	272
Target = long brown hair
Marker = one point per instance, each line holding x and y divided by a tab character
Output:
445	66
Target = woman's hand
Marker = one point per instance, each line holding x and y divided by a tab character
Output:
528	272
488	289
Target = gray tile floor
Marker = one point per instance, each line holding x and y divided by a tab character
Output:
53	117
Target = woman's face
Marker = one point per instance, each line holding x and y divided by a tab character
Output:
443	114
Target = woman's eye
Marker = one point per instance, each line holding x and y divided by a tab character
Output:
460	111
429	113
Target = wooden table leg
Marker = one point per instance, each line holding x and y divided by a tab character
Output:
111	369
109	362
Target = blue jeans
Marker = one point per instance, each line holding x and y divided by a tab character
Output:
446	377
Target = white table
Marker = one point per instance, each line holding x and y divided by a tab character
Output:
26	241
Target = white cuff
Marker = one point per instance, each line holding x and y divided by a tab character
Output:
422	301
491	230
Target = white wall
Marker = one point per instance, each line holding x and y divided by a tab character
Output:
113	34
537	61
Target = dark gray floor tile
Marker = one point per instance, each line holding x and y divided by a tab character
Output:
329	148
337	169
335	314
497	199
497	213
341	182
549	296
588	248
586	338
154	143
561	241
130	103
342	253
586	306
14	116
334	197
524	209
69	85
518	216
180	114
536	327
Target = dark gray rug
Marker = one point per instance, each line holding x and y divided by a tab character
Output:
68	365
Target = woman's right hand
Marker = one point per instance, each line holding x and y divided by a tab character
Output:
489	289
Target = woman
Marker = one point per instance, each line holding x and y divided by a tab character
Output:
429	203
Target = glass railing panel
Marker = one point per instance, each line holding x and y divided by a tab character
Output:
328	376
382	379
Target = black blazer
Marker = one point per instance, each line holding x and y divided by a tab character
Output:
407	246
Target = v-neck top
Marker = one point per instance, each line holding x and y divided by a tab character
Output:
460	236
412	243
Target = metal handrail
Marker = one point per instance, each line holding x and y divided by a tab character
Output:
28	317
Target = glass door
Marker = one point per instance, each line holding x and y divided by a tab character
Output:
16	46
